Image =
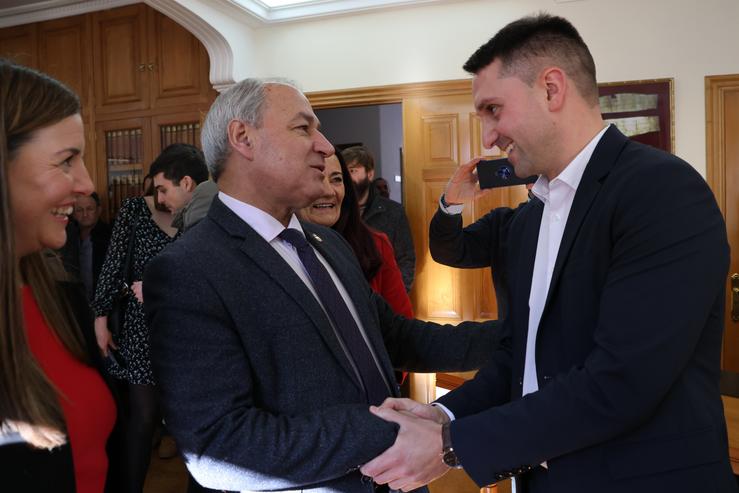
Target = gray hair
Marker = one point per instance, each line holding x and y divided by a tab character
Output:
243	101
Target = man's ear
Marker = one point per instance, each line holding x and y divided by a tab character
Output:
555	83
371	174
187	183
241	138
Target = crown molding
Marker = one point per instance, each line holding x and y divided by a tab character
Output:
54	9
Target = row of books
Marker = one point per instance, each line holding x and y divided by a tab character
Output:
184	133
121	187
124	147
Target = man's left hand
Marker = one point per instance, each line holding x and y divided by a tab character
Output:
414	459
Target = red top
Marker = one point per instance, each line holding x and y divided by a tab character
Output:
88	406
388	282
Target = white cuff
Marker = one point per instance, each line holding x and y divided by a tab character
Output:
451	209
445	409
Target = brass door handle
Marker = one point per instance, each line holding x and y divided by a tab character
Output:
735	297
142	67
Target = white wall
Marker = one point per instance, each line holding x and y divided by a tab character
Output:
630	39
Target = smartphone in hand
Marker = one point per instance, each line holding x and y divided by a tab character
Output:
496	173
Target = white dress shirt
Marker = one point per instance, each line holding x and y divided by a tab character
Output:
270	228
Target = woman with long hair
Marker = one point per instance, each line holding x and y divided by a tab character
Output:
150	225
339	209
56	411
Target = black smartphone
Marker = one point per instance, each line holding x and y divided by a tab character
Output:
496	173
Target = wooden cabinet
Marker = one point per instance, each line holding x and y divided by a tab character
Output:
142	80
18	43
64	53
147	60
120	58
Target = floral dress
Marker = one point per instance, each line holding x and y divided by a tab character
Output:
133	340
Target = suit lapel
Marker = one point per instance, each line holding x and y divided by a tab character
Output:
266	258
600	164
355	285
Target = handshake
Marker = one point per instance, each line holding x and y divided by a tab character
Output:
415	459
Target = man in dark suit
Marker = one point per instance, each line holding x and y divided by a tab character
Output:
268	345
615	272
87	242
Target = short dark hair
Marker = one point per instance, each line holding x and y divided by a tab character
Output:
178	161
96	198
359	154
525	45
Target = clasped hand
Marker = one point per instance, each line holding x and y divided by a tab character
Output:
415	458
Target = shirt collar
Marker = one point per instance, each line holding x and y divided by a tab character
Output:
264	224
572	174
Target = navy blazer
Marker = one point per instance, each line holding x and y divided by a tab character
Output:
628	347
255	386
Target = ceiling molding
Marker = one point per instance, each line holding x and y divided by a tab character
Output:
320	8
54	9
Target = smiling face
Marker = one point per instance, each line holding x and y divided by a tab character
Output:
46	176
514	117
327	209
287	162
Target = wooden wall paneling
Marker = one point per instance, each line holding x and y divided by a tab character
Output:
175	64
64	53
121	59
19	44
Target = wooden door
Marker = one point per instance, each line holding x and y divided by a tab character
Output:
19	45
180	64
64	53
440	133
121	59
722	170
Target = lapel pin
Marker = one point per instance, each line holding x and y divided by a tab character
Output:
318	238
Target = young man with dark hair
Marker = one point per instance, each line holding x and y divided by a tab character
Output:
609	380
177	172
382	213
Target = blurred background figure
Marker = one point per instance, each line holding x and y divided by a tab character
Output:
150	223
382	187
338	209
52	392
87	242
381	213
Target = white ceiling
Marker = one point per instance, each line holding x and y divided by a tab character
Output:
265	11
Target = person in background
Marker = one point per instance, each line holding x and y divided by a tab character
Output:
150	222
339	210
177	173
382	187
56	410
87	242
380	213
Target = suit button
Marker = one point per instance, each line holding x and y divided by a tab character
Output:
520	382
547	377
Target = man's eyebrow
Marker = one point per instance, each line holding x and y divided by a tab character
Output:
303	115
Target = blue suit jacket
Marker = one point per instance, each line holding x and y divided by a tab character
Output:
256	388
628	347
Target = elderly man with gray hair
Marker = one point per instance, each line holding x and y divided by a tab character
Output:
270	347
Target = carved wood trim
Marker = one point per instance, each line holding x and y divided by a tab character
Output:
363	96
716	88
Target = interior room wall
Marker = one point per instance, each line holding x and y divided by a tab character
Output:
379	127
630	39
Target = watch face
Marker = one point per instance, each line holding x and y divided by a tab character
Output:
450	459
